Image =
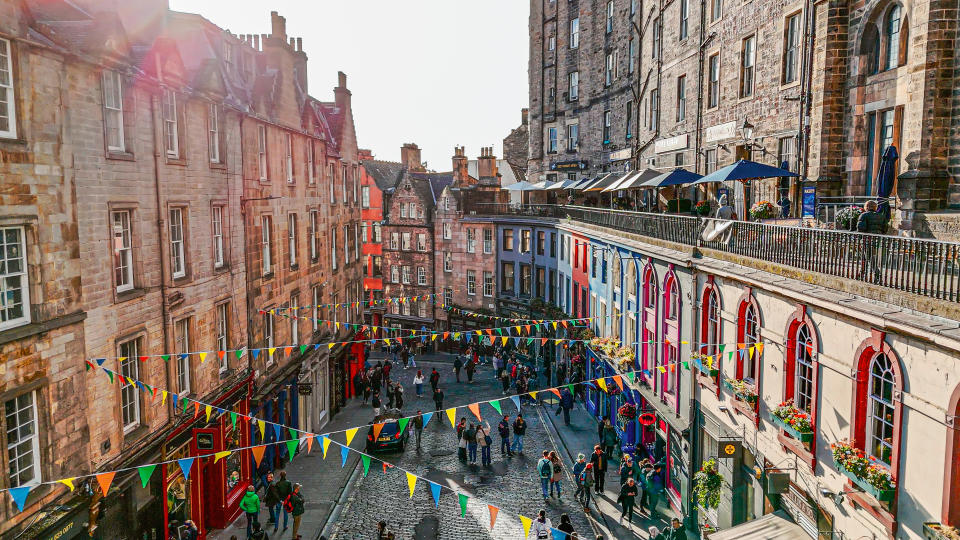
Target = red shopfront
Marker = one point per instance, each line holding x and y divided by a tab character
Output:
210	497
354	361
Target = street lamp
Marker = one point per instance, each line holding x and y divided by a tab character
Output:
747	130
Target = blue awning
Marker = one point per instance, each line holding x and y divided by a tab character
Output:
744	170
673	178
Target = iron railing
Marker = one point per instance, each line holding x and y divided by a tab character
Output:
924	267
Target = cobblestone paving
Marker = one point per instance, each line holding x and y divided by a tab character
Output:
510	483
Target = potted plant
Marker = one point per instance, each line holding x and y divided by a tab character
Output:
936	531
847	217
741	390
868	474
703	208
701	362
794	421
707	484
764	210
626	412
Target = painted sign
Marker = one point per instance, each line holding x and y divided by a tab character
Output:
672	143
809	201
720	132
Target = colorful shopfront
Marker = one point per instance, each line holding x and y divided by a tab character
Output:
608	404
280	406
210	495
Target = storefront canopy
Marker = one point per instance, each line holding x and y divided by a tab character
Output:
775	526
522	185
565	184
604	181
586	182
635	179
744	170
675	177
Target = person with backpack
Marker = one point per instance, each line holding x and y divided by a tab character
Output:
438	397
557	465
540	528
418	426
578	468
566	525
599	461
484	441
457	364
519	429
250	504
398	395
470	435
586	479
654	488
284	489
294	504
545	471
503	428
435	380
566	403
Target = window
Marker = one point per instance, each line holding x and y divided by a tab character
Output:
181	330
377	233
129	396
551	43
447	231
365	197
421	275
541	282
608	70
422	309
346	244
541	242
406	275
684	16
681	98
880	410
447	296
363	232
213	133
23	448
573	137
268	332
447	262
713	88
333	180
655	49
8	121
471	240
223	343
356	240
394	240
288	156
265	243
786	152
403	210
574	33
508	239
262	151
678	159
333	247
405	244
525	279
216	218
356	183
551	140
343	181
716	10
112	107
803	368
553	244
574	82
892	39
421	242
747	57
632	53
629	120
292	238
710	160
750	336
405	308
631	280
883	130
654	109
488	284
610	16
170	127
607	120
471	282
791	48
395	274
507	276
177	256
311	164
122	251
419	212
671	335
314	234
525	241
317	300
294	321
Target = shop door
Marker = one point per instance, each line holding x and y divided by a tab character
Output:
207	479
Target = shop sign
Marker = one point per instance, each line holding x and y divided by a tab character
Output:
672	143
204	441
801	509
729	449
720	132
577	165
305	389
620	155
72	527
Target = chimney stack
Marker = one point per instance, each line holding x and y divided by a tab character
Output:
278	26
524	113
487	164
410	157
460	175
341	94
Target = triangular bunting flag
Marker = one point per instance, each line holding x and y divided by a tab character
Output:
105	479
602	383
366	463
263	428
402	424
69	483
185	465
220	455
239	353
209	409
524	520
344	452
325	442
496	405
351	433
377	428
435	490
452	415
463	504
203	357
475	409
258	453
493	514
516	401
411	483
619	380
557	534
19	495
233	419
760	349
292	446
145	473
426	418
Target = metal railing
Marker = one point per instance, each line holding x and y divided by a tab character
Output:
924	267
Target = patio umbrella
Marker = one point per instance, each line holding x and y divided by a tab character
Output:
522	185
673	178
605	181
744	170
615	186
885	178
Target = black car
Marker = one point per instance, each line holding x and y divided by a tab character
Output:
390	438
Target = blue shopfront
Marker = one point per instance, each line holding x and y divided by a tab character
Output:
280	408
607	404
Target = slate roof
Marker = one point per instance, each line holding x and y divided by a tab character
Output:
386	174
429	185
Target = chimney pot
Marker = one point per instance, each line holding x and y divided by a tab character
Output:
299	44
256	42
342	80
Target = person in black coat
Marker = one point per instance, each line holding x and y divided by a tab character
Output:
599	461
438	397
627	498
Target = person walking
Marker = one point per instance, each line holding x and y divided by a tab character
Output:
675	532
398	395
462	445
557	475
435	380
519	430
271	498
610	439
438	397
578	467
484	441
587	481
540	528
284	489
654	488
471	436
503	428
600	427
545	471
386	373
295	500
390	395
599	461
457	364
250	504
505	380
566	403
375	401
627	469
413	358
418	426
418	383
471	368
627	498
366	389
566	525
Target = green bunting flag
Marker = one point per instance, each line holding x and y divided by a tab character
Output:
303	349
720	349
570	386
496	405
233	419
366	463
632	375
109	374
145	473
166	357
686	365
239	353
403	424
292	445
463	504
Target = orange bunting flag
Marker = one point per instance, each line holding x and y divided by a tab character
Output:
760	349
493	514
564	323
377	428
196	409
105	479
543	341
287	350
475	409
741	345
555	391
527	328
619	380
220	355
258	453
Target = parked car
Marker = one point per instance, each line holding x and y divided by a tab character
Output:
390	438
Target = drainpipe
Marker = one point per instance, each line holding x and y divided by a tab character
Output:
805	105
695	424
164	268
246	252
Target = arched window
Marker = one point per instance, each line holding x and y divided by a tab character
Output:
711	328
803	369
615	271
891	37
880	409
748	337
870	48
632	279
649	333
671	335
878	402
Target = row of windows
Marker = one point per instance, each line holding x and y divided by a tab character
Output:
402	241
266	231
533	281
543	244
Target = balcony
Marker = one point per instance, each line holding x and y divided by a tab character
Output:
928	268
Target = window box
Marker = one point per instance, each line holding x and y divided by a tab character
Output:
936	531
712	372
747	410
802	436
708	383
741	391
882	495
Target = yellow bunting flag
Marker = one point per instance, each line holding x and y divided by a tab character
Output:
330	345
163	401
258	453
350	434
533	395
452	415
554	327
220	455
263	428
524	519
751	351
760	349
209	409
557	341
602	384
271	350
433	337
67	482
662	369
412	483
326	444
503	340
203	356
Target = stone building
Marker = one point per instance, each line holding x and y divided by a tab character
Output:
516	145
377	181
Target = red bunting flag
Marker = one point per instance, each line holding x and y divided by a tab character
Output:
493	514
105	479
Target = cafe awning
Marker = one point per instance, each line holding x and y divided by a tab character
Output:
636	178
586	182
603	182
775	526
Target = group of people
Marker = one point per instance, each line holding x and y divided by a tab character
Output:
281	498
471	438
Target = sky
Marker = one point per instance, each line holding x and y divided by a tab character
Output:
437	73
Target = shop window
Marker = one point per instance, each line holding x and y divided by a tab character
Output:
649	315
748	336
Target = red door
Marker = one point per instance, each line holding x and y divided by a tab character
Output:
207	480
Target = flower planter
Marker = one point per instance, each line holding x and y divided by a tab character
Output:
704	369
933	531
742	396
799	435
882	495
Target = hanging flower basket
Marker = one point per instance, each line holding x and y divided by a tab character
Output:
869	475
764	210
703	208
741	390
794	421
707	485
627	411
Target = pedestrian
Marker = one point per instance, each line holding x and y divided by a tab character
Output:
578	467
418	383
565	525
418	427
654	488
250	504
413	359
435	380
610	439
724	210
600	427
484	441
519	429
540	528
587	480
366	389
296	509
375	401
284	488
462	445
382	530
398	395
471	368
390	395
461	427
676	531
192	532
566	403
545	471
505	381
503	428
557	473
386	373
599	461
272	500
438	397
405	356
628	495
258	533
626	469
471	436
